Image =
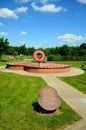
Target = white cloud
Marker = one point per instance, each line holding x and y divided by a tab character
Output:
37	1
7	13
82	1
71	38
23	33
22	1
3	34
22	9
41	1
1	24
44	1
47	8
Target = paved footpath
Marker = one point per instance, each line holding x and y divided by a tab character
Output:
71	96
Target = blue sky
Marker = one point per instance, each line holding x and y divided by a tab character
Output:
43	23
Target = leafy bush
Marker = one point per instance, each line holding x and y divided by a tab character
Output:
66	58
83	66
54	58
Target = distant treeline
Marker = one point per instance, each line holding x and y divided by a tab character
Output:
64	52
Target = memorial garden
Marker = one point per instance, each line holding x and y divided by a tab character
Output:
22	96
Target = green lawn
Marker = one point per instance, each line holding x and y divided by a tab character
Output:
77	64
18	93
2	63
6	59
78	82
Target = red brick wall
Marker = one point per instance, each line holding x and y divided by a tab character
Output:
39	70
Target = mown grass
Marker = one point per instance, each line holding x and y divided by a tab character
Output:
6	59
77	64
78	82
18	93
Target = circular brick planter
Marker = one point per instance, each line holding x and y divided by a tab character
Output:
15	67
48	67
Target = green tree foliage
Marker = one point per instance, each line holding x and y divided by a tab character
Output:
83	46
74	51
3	46
68	53
22	49
82	49
30	50
64	52
10	50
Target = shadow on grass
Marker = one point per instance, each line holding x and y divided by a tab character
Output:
39	109
3	60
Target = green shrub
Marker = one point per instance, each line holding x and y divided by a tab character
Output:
65	58
54	58
83	66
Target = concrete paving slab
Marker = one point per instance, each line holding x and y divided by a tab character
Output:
77	105
79	125
64	90
74	71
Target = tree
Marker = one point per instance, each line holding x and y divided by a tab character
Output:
47	51
64	50
74	51
31	50
82	49
10	50
22	50
3	46
83	46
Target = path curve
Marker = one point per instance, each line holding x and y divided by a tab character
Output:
73	72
